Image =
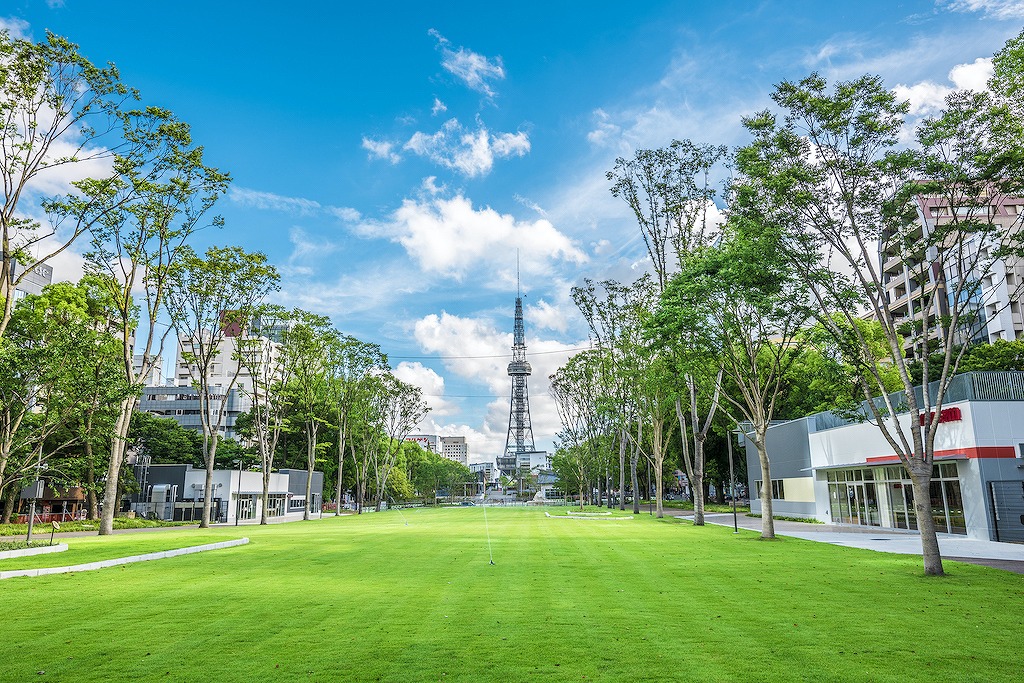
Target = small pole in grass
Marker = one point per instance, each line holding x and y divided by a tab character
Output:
54	529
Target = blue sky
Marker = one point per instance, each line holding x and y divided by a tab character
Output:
391	159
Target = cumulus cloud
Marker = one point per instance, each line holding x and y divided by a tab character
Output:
473	69
996	9
927	97
430	382
381	149
470	152
296	206
439	107
451	237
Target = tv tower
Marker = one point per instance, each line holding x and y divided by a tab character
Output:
520	431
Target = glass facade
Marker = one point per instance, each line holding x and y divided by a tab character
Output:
884	497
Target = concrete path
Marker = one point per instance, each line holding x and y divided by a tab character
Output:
1008	556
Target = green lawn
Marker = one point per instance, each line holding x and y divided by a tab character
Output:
370	598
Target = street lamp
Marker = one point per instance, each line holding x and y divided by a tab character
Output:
238	499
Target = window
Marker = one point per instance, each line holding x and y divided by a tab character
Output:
778	489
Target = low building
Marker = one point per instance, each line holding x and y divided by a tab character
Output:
175	492
842	471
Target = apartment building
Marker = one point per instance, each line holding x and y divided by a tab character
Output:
919	282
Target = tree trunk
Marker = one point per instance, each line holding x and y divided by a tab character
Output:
659	509
310	461
9	499
118	446
767	521
211	458
264	461
921	477
697	485
90	484
634	482
622	469
341	471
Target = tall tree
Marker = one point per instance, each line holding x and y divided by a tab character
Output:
261	356
304	345
212	301
748	305
351	363
402	407
59	114
135	243
832	174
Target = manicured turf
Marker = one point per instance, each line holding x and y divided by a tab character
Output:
370	598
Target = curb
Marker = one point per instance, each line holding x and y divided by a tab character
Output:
103	564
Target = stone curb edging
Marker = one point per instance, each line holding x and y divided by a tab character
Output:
28	552
102	564
600	519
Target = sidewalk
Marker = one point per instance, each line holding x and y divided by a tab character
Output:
1008	556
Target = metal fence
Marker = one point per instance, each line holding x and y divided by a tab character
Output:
970	386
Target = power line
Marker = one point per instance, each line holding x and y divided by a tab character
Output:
503	355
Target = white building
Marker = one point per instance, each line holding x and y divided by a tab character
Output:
175	492
841	471
428	442
455	448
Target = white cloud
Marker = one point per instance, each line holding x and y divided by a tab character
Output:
605	133
296	206
927	97
469	152
451	238
381	149
997	9
15	27
530	204
430	382
439	107
268	200
473	69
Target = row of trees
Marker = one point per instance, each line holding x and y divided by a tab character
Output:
74	359
735	313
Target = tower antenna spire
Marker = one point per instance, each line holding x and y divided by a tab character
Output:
518	290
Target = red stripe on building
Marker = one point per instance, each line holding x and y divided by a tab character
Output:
972	453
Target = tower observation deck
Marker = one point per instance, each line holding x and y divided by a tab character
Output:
520	431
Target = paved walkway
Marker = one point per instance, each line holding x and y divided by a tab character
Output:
1008	556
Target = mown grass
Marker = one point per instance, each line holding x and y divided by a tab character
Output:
372	598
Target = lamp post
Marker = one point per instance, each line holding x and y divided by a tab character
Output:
238	499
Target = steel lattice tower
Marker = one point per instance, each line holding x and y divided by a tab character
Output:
520	431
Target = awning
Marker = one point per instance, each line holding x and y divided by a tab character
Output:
862	465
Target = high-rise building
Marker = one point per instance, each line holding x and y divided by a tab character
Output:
920	283
428	442
455	448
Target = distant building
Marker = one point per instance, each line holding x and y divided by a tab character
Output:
37	277
455	448
428	442
910	282
155	378
484	471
